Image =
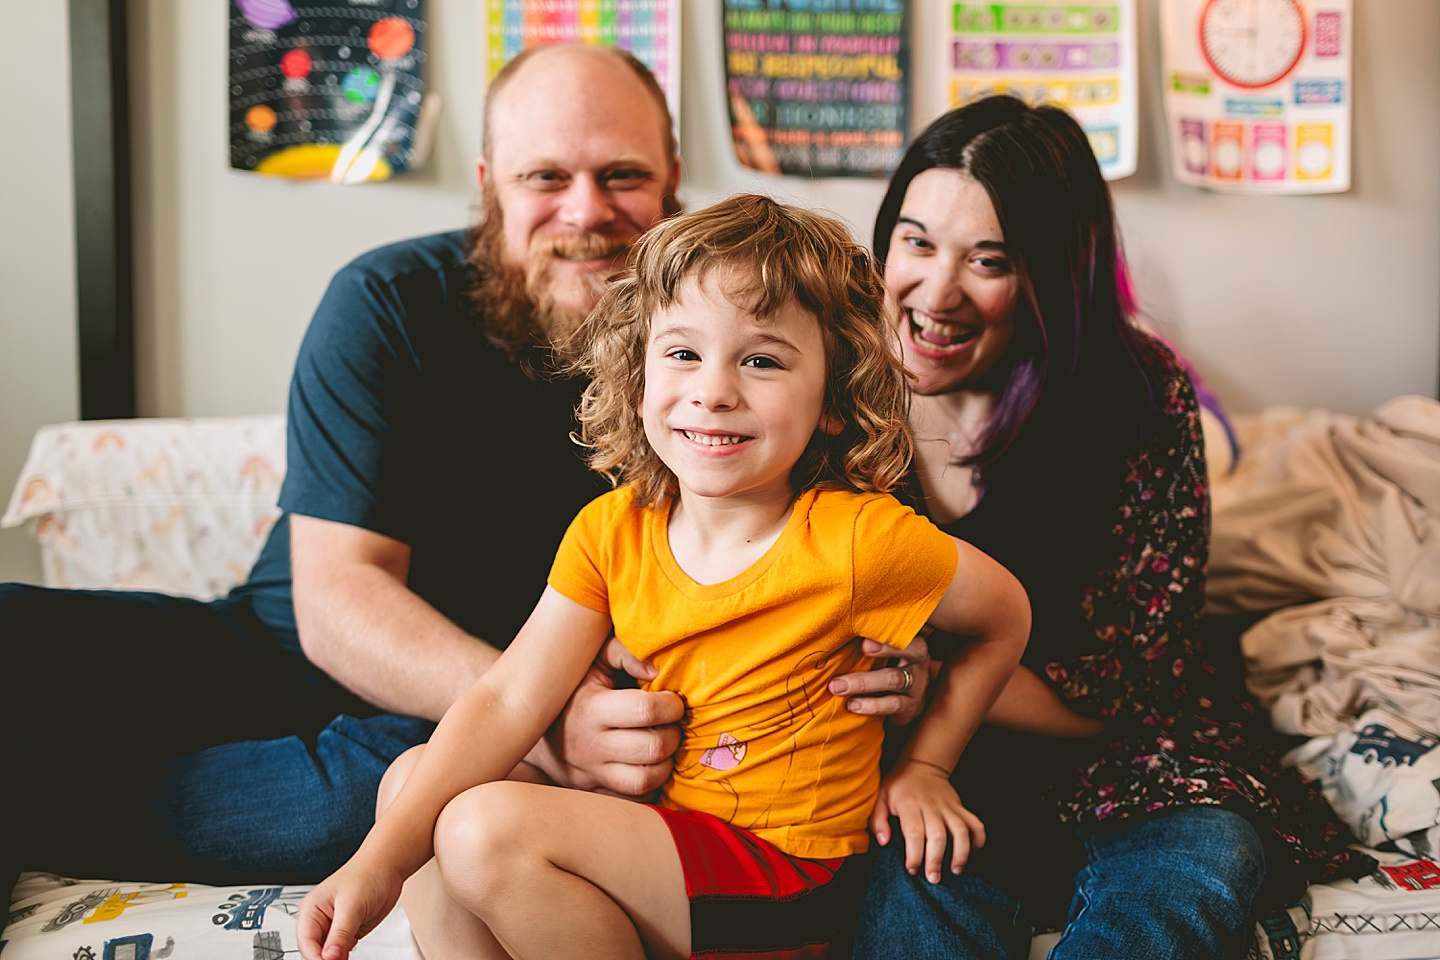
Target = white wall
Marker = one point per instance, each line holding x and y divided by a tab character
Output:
1329	301
38	382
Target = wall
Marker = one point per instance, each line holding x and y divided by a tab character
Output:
1327	301
38	382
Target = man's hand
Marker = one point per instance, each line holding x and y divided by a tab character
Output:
884	690
619	742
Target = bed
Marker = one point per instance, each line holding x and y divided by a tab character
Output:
1327	525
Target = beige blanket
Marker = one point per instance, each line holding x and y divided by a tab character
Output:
1344	511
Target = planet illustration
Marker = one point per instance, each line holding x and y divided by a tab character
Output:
360	85
295	64
313	161
267	14
391	38
260	118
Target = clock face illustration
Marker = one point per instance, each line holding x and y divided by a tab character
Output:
1252	43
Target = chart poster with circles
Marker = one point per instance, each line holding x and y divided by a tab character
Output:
328	91
1258	93
1080	56
818	89
649	29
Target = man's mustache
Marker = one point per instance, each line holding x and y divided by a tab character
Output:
580	246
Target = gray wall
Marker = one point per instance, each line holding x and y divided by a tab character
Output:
1330	301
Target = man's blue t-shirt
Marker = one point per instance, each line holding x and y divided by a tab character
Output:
405	420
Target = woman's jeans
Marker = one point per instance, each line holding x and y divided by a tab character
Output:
1180	885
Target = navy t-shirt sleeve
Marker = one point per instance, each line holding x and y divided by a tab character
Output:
354	369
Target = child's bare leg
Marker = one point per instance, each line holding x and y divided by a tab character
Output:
562	873
442	928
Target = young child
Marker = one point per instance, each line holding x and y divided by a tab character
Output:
743	390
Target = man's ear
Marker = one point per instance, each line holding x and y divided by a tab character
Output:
830	425
481	170
672	195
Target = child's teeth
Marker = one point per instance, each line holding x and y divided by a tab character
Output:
712	441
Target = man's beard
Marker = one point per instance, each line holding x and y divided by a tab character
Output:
516	305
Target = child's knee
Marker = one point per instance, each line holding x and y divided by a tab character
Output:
395	776
480	837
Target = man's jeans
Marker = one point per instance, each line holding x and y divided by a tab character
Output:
159	738
1175	887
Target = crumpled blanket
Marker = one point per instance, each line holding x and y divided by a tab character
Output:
1343	511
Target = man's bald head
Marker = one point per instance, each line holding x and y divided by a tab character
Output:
623	60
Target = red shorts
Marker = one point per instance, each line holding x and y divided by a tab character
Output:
750	899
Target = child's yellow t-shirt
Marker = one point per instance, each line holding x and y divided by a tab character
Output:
766	746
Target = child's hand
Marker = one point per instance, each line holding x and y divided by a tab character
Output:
345	907
931	815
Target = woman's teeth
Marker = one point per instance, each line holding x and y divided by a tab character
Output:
940	334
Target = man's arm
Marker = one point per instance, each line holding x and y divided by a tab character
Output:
362	625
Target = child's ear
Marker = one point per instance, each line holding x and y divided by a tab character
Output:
830	425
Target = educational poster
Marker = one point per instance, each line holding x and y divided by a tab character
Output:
650	29
328	90
1257	93
1080	56
818	90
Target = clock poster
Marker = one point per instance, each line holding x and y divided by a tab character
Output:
1258	93
1076	55
325	90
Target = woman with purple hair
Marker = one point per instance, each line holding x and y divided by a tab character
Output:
1128	791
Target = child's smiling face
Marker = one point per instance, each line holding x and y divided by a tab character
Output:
732	400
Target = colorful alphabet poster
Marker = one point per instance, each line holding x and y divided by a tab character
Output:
650	29
1080	56
1258	94
818	90
327	90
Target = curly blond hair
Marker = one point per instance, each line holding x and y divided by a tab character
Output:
771	254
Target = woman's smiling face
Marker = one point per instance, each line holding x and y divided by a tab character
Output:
955	281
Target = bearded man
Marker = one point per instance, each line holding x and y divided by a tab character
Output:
430	478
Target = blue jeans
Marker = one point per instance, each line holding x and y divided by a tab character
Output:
1175	887
167	739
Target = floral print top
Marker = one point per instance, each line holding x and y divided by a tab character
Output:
1118	635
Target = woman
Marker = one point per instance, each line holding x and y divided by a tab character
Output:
1117	779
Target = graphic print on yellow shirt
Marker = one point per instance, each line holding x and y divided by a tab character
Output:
766	746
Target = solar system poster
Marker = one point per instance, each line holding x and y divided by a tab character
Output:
330	90
818	90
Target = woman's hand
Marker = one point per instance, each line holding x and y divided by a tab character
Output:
931	818
895	687
618	742
345	907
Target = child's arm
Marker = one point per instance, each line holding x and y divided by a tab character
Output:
481	738
987	604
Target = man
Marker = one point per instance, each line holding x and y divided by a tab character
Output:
430	479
